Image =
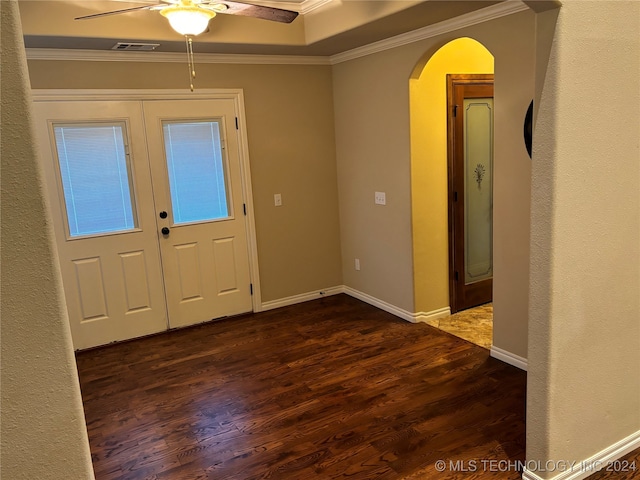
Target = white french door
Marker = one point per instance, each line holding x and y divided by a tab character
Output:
119	174
197	178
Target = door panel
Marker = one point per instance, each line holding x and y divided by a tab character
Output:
136	281
478	187
92	296
471	190
225	262
188	261
195	165
111	271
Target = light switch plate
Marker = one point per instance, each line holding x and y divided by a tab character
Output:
380	198
277	200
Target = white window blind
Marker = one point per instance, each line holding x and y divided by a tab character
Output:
96	178
196	171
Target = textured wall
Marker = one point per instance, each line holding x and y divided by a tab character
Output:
584	341
43	429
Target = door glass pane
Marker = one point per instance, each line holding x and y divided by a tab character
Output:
96	178
196	171
478	186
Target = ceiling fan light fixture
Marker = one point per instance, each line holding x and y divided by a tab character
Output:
188	20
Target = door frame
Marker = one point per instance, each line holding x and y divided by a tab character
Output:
237	95
453	80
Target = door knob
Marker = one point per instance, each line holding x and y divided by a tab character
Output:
165	230
163	214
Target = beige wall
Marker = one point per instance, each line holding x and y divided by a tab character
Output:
584	335
340	17
43	428
584	341
292	148
371	96
514	90
290	118
289	111
429	185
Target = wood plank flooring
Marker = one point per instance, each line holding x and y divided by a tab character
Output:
327	389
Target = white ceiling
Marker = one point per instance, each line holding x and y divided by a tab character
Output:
324	27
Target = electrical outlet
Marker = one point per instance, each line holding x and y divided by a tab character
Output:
277	200
380	198
357	264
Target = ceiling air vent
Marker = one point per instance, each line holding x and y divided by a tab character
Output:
138	47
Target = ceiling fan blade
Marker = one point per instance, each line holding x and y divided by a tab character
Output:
257	11
116	12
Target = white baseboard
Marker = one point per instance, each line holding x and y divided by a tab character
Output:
508	357
381	304
426	317
591	465
376	302
303	297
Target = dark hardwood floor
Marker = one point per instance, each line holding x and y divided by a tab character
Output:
332	388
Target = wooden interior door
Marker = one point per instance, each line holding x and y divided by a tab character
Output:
470	152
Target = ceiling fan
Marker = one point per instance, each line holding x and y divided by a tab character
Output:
191	17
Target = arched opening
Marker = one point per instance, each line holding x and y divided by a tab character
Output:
428	108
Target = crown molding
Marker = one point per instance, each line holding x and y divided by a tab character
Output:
509	7
311	5
90	95
169	57
503	9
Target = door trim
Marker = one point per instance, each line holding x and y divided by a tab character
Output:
237	95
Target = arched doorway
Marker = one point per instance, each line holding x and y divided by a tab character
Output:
428	107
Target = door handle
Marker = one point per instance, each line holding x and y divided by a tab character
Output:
163	214
165	230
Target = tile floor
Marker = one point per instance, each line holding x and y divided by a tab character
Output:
474	325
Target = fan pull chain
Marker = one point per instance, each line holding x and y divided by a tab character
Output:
190	59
